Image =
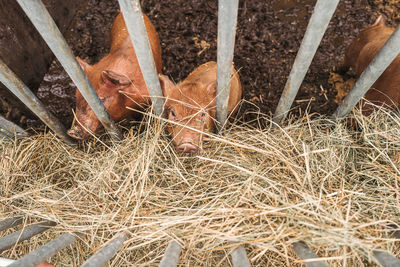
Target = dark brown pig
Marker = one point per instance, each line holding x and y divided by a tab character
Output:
192	104
386	90
117	79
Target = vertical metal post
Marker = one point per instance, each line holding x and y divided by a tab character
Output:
316	28
382	60
132	12
104	254
46	251
171	256
11	128
18	88
10	240
239	257
47	28
386	259
11	222
305	253
227	20
5	262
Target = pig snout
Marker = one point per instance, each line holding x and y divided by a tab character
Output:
187	147
77	133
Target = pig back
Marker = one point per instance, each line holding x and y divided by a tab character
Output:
207	73
120	38
387	88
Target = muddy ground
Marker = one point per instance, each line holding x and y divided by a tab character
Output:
267	39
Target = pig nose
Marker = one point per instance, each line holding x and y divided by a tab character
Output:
76	133
187	148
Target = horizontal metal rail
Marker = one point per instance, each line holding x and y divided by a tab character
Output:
382	60
103	255
227	20
132	12
239	257
20	90
48	29
385	259
316	28
305	253
10	240
171	256
41	254
11	129
10	222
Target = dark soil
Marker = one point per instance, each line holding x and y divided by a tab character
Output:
267	39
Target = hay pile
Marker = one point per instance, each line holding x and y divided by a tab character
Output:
313	180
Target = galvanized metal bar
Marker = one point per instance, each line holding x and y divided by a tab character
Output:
171	256
396	234
239	257
378	65
227	20
20	90
385	259
10	222
11	128
316	28
305	253
41	254
47	28
103	255
5	262
132	12
10	240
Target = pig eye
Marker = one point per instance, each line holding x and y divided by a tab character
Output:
172	114
203	115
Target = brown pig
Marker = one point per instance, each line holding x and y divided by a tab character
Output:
117	79
192	104
386	90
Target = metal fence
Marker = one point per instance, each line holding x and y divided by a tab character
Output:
227	19
170	258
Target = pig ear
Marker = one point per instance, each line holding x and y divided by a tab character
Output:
212	88
115	80
379	21
166	84
85	66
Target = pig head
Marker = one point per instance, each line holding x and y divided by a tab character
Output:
386	90
191	105
117	79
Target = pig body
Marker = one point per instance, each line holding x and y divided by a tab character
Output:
192	104
386	90
117	79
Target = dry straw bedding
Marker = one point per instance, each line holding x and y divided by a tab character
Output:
314	179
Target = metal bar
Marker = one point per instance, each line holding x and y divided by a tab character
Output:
10	240
227	20
10	127
382	60
132	12
316	28
10	222
104	254
396	234
47	28
305	253
19	89
385	259
239	257
41	254
5	262
171	256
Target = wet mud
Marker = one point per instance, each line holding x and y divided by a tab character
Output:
268	36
